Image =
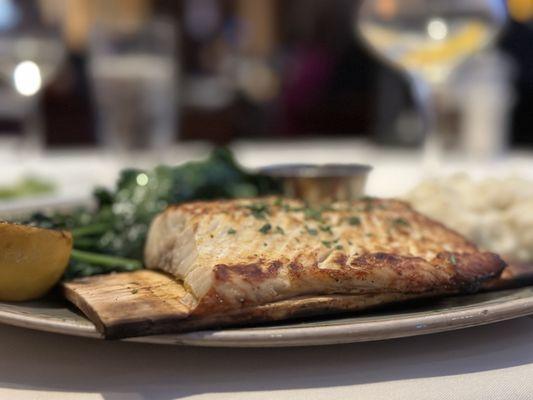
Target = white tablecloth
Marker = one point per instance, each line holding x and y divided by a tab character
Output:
490	362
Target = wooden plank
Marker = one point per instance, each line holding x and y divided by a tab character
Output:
136	303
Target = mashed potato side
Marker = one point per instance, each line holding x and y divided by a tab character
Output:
496	214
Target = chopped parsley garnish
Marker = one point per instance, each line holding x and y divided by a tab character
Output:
278	202
326	228
134	291
280	230
231	231
311	231
369	204
330	243
311	213
265	228
287	208
400	222
339	247
453	260
353	221
258	210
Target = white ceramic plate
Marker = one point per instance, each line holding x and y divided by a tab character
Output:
426	317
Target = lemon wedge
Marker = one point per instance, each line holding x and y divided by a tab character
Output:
32	260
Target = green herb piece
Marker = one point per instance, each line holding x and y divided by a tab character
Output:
280	230
311	231
326	228
89	230
134	291
27	187
353	221
264	244
288	208
339	247
400	222
311	213
258	210
265	228
368	204
327	243
453	260
278	202
104	260
231	231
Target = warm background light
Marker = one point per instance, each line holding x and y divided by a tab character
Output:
521	10
27	78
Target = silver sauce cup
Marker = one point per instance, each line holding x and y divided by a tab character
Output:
319	184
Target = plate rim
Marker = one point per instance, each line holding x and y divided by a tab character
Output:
405	325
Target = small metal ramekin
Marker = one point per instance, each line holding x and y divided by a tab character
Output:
315	183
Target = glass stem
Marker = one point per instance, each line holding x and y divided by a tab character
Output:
33	130
427	99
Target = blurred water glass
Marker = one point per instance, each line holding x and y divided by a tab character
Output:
134	78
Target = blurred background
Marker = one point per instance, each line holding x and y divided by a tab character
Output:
145	73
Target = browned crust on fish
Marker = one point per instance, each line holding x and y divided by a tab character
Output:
464	272
297	308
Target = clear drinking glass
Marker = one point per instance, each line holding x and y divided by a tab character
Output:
133	71
427	39
31	50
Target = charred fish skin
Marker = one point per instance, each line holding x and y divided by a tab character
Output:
238	254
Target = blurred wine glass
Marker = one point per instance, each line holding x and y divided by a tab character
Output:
31	50
428	39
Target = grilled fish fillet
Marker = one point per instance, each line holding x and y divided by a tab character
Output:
258	260
240	254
